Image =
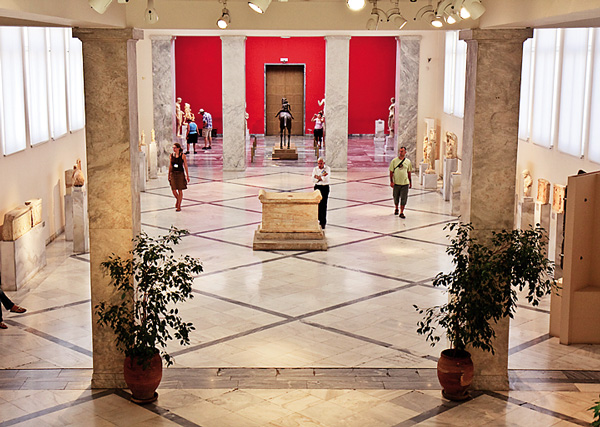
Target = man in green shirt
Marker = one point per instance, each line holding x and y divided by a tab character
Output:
400	179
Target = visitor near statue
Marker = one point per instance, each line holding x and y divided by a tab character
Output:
320	175
192	135
179	175
400	180
207	129
319	120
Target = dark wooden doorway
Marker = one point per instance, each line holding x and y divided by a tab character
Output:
284	81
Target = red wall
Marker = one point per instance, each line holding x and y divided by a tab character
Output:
371	85
372	82
198	76
299	50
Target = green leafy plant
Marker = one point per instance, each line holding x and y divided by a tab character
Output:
483	286
596	409
151	281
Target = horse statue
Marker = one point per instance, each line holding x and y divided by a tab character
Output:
285	122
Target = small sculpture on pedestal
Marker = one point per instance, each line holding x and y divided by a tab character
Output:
428	154
543	193
451	141
153	136
558	198
527	183
179	116
391	116
78	177
142	142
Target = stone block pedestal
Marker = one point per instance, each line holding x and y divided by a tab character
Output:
152	161
285	153
81	241
22	258
290	222
455	200
143	170
526	213
450	166
430	181
69	217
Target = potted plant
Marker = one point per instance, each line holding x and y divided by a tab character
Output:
150	282
482	290
596	410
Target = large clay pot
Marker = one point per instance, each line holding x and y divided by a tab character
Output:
455	373
143	382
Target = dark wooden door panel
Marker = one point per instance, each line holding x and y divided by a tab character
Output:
284	81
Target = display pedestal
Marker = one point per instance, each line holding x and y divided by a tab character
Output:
285	153
455	201
22	258
555	246
541	216
390	143
526	213
450	166
430	181
68	217
289	222
143	170
153	161
81	243
422	168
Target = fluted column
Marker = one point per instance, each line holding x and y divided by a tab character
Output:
234	102
336	100
109	66
490	140
408	49
163	96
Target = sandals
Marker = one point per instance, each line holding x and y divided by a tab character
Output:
3	325
17	309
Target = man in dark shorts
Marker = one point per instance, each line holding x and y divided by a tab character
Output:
400	180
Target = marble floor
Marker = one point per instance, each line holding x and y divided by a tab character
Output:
287	338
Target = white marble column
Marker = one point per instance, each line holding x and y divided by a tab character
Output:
163	96
408	49
109	66
490	139
233	52
337	69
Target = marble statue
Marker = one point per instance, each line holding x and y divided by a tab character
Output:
187	112
391	114
543	193
428	154
179	116
527	183
558	198
142	142
451	142
153	136
78	177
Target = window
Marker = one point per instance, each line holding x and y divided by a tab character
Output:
12	91
37	85
76	96
58	84
525	102
455	67
594	135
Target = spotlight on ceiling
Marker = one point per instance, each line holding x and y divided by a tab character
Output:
100	6
395	17
373	21
449	10
225	19
356	4
259	6
437	22
150	15
472	9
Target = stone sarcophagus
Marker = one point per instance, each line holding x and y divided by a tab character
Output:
17	222
289	222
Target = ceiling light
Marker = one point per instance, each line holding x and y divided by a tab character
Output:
437	22
472	9
356	4
373	21
224	20
100	6
259	6
150	15
398	21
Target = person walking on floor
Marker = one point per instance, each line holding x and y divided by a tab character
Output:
400	180
318	131
10	306
207	131
192	135
178	174
320	175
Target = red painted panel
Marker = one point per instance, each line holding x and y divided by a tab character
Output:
372	82
198	75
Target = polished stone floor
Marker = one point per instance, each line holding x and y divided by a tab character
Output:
287	338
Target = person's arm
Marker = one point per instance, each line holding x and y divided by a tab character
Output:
187	173
170	167
313	118
409	179
187	133
392	178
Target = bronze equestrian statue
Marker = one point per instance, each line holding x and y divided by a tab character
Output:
285	122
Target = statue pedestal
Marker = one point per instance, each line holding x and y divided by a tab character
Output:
81	243
455	200
289	222
525	213
285	153
143	170
390	143
152	161
555	245
22	258
450	166
68	217
430	181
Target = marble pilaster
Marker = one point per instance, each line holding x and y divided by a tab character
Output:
109	65
163	96
80	221
490	135
337	68
407	94
233	52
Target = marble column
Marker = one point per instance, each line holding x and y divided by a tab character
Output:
490	136
233	52
407	94
337	68
109	66
163	96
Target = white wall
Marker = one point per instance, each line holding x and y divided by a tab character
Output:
38	172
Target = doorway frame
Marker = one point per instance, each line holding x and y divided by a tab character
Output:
280	64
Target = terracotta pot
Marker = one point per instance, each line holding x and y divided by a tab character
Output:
143	382
455	373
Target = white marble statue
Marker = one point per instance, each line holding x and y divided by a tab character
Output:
142	142
527	183
391	115
451	142
179	116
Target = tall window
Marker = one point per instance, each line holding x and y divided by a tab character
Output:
58	81
594	135
455	67
76	96
525	102
37	85
12	90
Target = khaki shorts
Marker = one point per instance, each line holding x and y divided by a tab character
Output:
206	132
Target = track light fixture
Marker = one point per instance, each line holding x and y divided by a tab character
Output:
373	21
99	6
472	9
224	21
259	6
356	4
150	15
449	12
393	15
